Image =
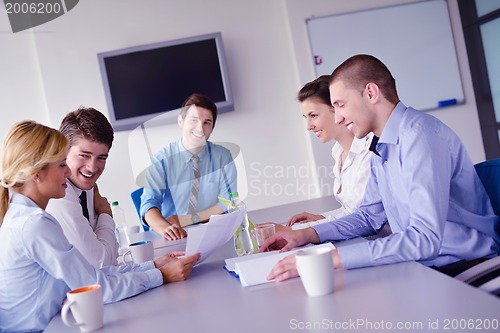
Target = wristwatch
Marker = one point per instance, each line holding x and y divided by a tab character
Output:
195	218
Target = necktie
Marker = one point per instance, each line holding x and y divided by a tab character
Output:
373	145
193	197
83	203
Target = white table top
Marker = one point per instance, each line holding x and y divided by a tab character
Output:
375	298
212	300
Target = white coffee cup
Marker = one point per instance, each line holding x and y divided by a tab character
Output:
315	267
140	252
86	306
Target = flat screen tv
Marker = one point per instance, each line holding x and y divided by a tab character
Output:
147	81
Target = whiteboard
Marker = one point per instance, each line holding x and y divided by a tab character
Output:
414	41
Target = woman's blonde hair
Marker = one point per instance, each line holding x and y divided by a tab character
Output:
28	148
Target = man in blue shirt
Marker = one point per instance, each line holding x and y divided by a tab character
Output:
422	183
180	191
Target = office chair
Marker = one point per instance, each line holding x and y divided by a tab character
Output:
492	286
136	198
486	276
489	174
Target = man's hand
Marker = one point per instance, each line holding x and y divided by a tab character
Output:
287	240
173	219
101	204
304	217
164	259
165	227
286	268
280	227
180	220
173	231
178	269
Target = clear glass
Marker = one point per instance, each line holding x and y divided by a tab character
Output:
486	6
263	232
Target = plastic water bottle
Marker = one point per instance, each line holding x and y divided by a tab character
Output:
121	226
243	244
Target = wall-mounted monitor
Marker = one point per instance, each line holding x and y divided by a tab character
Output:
146	81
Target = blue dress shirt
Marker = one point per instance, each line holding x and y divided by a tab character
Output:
170	176
38	266
425	185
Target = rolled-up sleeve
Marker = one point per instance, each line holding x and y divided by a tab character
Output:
155	187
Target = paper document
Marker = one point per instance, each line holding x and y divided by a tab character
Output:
255	268
206	238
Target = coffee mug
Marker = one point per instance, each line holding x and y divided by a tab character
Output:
140	252
315	267
86	306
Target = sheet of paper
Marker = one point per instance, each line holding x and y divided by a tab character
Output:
255	271
206	238
231	262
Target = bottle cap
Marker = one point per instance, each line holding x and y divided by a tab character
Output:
233	194
114	203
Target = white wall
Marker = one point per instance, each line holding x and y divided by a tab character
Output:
266	123
21	91
52	69
462	118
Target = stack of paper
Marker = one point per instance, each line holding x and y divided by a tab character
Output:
255	268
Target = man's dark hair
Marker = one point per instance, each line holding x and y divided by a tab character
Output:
201	101
87	123
357	71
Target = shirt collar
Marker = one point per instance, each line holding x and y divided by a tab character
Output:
336	150
390	133
358	145
186	155
77	190
18	198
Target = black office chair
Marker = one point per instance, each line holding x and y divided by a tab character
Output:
136	198
486	276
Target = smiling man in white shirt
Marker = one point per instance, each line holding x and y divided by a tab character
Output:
89	225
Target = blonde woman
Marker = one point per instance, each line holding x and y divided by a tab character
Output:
37	263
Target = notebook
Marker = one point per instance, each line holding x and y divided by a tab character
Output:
254	269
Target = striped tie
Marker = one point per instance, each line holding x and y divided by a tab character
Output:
193	197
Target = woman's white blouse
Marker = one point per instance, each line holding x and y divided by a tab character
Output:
349	184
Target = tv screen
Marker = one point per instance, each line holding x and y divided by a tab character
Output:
146	81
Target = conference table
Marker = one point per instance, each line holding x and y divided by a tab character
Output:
399	297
